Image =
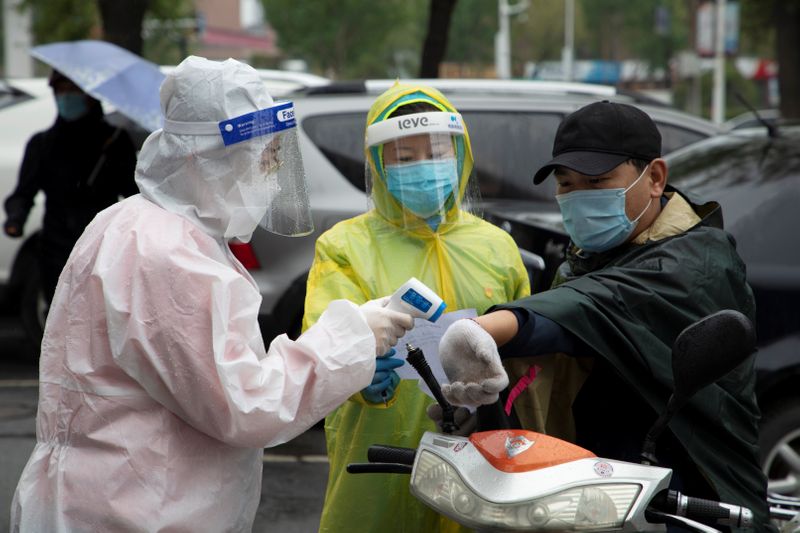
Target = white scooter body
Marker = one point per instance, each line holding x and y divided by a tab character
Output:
452	475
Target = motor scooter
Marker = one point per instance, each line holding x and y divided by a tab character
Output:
517	480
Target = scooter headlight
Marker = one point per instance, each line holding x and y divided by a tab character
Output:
583	508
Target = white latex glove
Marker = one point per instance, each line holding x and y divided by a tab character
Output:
466	421
387	325
470	359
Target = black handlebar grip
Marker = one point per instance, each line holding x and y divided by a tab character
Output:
377	468
718	513
378	453
707	511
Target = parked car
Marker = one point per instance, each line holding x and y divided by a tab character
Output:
26	106
752	119
280	82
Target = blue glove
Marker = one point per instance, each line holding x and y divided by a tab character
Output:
385	381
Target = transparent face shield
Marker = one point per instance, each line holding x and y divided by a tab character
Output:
253	177
272	190
415	168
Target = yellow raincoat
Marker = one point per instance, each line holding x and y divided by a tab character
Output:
467	261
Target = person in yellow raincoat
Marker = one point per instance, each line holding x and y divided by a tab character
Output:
419	163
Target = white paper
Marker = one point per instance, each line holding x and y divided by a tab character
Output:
426	336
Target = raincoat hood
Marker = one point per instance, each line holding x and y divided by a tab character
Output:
197	176
385	105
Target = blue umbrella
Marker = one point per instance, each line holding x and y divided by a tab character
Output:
112	74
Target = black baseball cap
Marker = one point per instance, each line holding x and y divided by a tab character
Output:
599	137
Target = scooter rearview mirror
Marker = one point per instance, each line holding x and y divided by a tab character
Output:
710	348
702	353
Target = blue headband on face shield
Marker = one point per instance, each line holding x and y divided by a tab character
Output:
268	121
596	220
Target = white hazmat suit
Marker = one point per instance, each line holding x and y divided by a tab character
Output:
156	391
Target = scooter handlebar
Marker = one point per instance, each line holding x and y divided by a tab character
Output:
380	453
705	511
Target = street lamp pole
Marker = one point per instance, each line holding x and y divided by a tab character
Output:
502	39
568	54
718	96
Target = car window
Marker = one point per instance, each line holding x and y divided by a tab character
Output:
340	137
735	160
674	137
10	95
757	182
508	148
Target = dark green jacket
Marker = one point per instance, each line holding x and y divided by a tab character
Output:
629	305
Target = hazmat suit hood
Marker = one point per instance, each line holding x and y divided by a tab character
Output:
388	206
197	176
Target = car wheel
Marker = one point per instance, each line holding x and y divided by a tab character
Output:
289	310
33	307
780	448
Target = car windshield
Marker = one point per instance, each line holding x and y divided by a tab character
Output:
734	160
757	182
494	135
508	147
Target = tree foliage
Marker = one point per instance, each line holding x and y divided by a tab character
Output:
351	38
472	32
538	35
120	21
61	20
604	29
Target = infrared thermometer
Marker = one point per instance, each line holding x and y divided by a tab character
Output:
416	299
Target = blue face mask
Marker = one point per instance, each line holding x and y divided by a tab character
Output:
596	220
422	186
71	106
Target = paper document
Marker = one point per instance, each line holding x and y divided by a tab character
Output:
425	336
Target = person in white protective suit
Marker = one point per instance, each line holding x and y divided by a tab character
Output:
156	391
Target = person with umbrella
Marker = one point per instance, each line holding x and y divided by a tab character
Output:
82	163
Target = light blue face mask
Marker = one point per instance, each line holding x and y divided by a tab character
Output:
422	186
71	106
596	220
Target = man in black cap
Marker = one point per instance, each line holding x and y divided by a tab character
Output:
644	263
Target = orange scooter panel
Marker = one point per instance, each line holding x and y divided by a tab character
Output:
519	450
